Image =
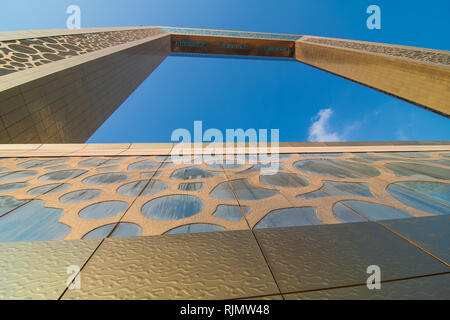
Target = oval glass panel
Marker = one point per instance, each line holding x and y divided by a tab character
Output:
62	175
17	175
172	207
9	203
32	222
373	211
336	168
291	217
420	201
232	213
49	189
103	210
193	173
418	171
145	165
346	215
81	196
283	179
134	189
35	163
106	179
12	186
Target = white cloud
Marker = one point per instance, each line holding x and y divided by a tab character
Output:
319	129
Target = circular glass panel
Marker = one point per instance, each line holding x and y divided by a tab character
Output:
282	179
48	189
61	175
16	175
81	196
103	210
105	179
336	168
172	207
12	186
291	217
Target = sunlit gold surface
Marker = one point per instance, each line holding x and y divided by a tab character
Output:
417	81
38	270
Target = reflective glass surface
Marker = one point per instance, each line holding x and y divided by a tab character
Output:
106	178
81	196
260	168
346	215
418	201
57	168
103	210
134	189
16	175
172	207
126	229
144	165
222	191
418	171
435	190
282	179
376	212
370	157
346	188
32	222
96	162
311	195
336	168
410	154
61	175
225	164
30	164
153	174
12	186
193	186
291	217
48	189
243	189
193	173
106	169
9	203
232	213
196	228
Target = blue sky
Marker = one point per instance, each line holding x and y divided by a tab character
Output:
306	104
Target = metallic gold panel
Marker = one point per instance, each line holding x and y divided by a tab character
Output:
410	77
278	297
218	265
67	100
319	257
38	270
232	46
430	233
39	50
431	287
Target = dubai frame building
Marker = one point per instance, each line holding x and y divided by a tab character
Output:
128	223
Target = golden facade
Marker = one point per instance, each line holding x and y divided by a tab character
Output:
139	225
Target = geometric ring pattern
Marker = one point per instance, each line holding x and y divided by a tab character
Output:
151	195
